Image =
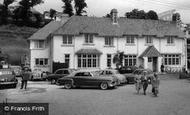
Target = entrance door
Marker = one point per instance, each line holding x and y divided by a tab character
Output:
154	64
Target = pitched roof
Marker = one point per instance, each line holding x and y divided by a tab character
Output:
150	51
104	27
44	32
88	51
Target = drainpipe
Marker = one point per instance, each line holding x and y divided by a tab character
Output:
185	45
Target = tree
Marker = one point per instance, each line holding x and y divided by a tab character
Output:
118	59
152	15
4	10
141	14
24	9
52	13
136	14
68	9
176	17
79	7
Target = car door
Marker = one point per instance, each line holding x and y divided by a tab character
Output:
82	78
58	73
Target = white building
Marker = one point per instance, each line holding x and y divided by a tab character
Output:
92	42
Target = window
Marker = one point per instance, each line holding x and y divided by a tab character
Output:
109	41
149	59
68	40
149	40
108	60
171	59
88	38
170	40
88	61
130	60
39	44
130	39
41	61
67	59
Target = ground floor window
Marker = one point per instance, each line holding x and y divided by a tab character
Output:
171	59
67	59
41	61
130	60
88	60
108	60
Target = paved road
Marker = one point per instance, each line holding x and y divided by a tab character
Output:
174	99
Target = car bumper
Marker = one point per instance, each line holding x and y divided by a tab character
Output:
8	84
112	84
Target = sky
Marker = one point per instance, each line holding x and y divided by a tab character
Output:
102	7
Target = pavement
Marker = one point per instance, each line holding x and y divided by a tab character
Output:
173	99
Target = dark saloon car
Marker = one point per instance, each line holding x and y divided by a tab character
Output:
137	74
87	78
59	74
7	79
127	69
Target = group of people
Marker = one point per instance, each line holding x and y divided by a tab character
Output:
142	82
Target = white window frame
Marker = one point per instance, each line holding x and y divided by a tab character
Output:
109	41
170	40
172	59
88	61
45	61
67	40
89	39
38	45
130	60
130	39
148	40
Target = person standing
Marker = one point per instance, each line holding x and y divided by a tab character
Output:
162	68
25	77
155	81
144	81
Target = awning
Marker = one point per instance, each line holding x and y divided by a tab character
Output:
88	51
150	51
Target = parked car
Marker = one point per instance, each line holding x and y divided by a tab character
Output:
127	69
138	73
59	74
87	78
17	70
37	75
114	73
7	78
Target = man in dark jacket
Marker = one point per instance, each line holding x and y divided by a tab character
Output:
25	77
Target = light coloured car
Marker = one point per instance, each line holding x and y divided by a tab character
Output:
7	79
114	73
37	74
17	70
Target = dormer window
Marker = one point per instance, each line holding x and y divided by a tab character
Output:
88	39
170	40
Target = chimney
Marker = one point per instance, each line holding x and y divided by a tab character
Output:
114	16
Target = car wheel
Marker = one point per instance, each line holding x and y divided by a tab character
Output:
68	85
104	85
